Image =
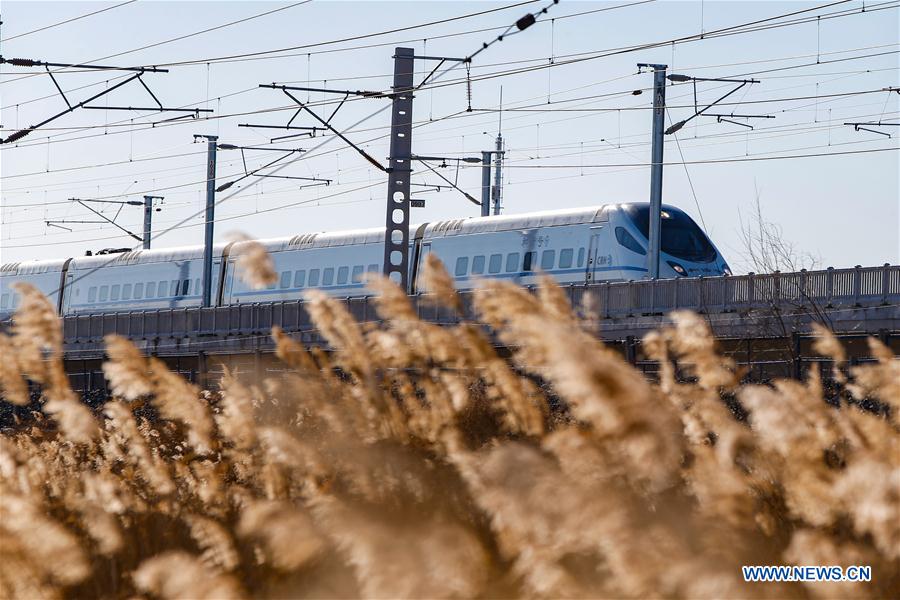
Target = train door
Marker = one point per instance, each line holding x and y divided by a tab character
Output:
594	255
419	263
226	285
67	293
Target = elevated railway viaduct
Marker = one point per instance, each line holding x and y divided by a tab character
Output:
762	321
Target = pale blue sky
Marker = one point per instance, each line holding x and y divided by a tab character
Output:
843	209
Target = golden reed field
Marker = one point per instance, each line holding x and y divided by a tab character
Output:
412	461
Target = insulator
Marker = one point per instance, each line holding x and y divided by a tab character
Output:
525	22
17	136
23	62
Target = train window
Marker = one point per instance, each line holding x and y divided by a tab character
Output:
4	301
495	263
580	257
343	274
626	239
114	292
512	262
162	289
328	276
548	259
478	265
565	258
92	293
185	287
173	287
313	277
151	289
16	298
104	293
271	286
138	291
528	262
373	269
462	265
196	286
357	274
285	280
126	291
299	278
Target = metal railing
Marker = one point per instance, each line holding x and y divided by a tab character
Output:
826	289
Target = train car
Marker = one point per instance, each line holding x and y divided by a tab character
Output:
578	246
137	280
607	243
331	262
45	275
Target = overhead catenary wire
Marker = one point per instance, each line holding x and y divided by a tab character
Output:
188	154
741	159
606	144
306	47
762	133
617	168
126	123
422	123
731	30
276	109
687	174
174	39
66	21
256	16
613	93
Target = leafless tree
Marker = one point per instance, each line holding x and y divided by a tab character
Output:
765	248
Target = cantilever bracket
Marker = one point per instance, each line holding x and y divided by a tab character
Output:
721	119
327	124
450	183
700	112
867	126
105	219
138	71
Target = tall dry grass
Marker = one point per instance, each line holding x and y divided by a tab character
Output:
413	461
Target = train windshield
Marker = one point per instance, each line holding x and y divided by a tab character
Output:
681	237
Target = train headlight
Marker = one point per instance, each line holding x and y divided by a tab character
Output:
678	268
726	269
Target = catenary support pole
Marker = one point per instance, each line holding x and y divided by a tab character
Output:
396	235
148	217
497	192
210	216
148	220
656	169
485	184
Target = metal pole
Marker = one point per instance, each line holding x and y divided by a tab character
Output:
497	192
485	184
148	215
210	217
148	219
396	231
656	170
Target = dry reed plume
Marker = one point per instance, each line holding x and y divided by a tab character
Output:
254	265
413	461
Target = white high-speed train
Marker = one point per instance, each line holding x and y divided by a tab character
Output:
604	243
